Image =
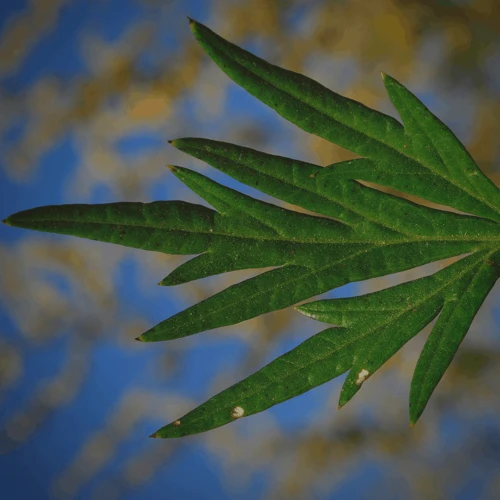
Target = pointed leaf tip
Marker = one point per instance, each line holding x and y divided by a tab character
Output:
172	168
154	435
140	339
193	24
6	221
168	281
414	418
383	75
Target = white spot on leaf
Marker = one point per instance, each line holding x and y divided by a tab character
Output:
237	412
362	376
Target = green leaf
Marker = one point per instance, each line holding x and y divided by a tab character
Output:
371	134
315	361
362	322
317	255
355	233
390	318
435	146
453	323
423	300
305	102
173	227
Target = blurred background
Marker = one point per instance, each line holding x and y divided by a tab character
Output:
90	92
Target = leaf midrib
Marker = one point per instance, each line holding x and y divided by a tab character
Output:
415	239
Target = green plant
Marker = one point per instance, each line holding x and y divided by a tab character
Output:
362	233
